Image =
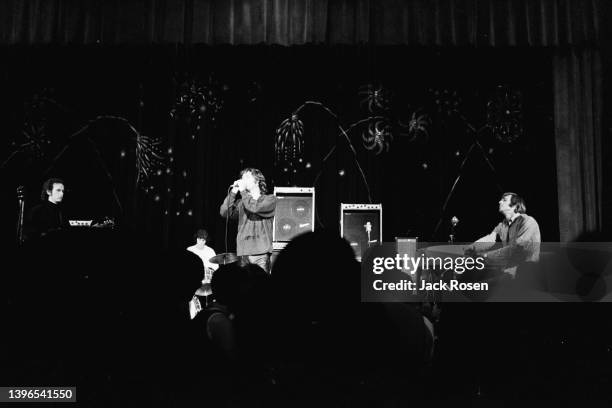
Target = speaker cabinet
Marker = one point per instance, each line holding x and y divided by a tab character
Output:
361	226
406	246
295	213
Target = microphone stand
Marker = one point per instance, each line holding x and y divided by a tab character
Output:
21	200
368	228
454	222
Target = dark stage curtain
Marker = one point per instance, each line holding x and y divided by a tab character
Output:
97	39
577	81
288	22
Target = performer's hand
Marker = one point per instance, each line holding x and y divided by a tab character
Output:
236	186
470	251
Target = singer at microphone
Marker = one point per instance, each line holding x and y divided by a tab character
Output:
254	211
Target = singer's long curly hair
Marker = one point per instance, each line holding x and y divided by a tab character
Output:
261	179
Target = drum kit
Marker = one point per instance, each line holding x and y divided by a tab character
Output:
225	258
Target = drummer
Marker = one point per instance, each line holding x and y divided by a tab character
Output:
205	253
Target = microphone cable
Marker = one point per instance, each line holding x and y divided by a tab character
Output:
227	214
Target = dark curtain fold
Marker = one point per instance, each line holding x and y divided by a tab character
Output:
577	82
289	22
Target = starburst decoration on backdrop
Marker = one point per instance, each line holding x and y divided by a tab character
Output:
416	127
289	143
504	114
377	137
447	102
374	97
35	140
149	156
148	150
198	99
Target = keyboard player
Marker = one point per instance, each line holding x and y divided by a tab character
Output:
47	216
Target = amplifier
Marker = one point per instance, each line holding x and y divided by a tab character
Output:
361	226
294	215
273	257
406	246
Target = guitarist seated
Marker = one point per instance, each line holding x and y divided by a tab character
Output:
518	232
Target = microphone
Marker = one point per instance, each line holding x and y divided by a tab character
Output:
368	229
454	221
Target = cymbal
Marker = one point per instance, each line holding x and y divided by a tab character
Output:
204	290
224	258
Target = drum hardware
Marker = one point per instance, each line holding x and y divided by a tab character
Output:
224	258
